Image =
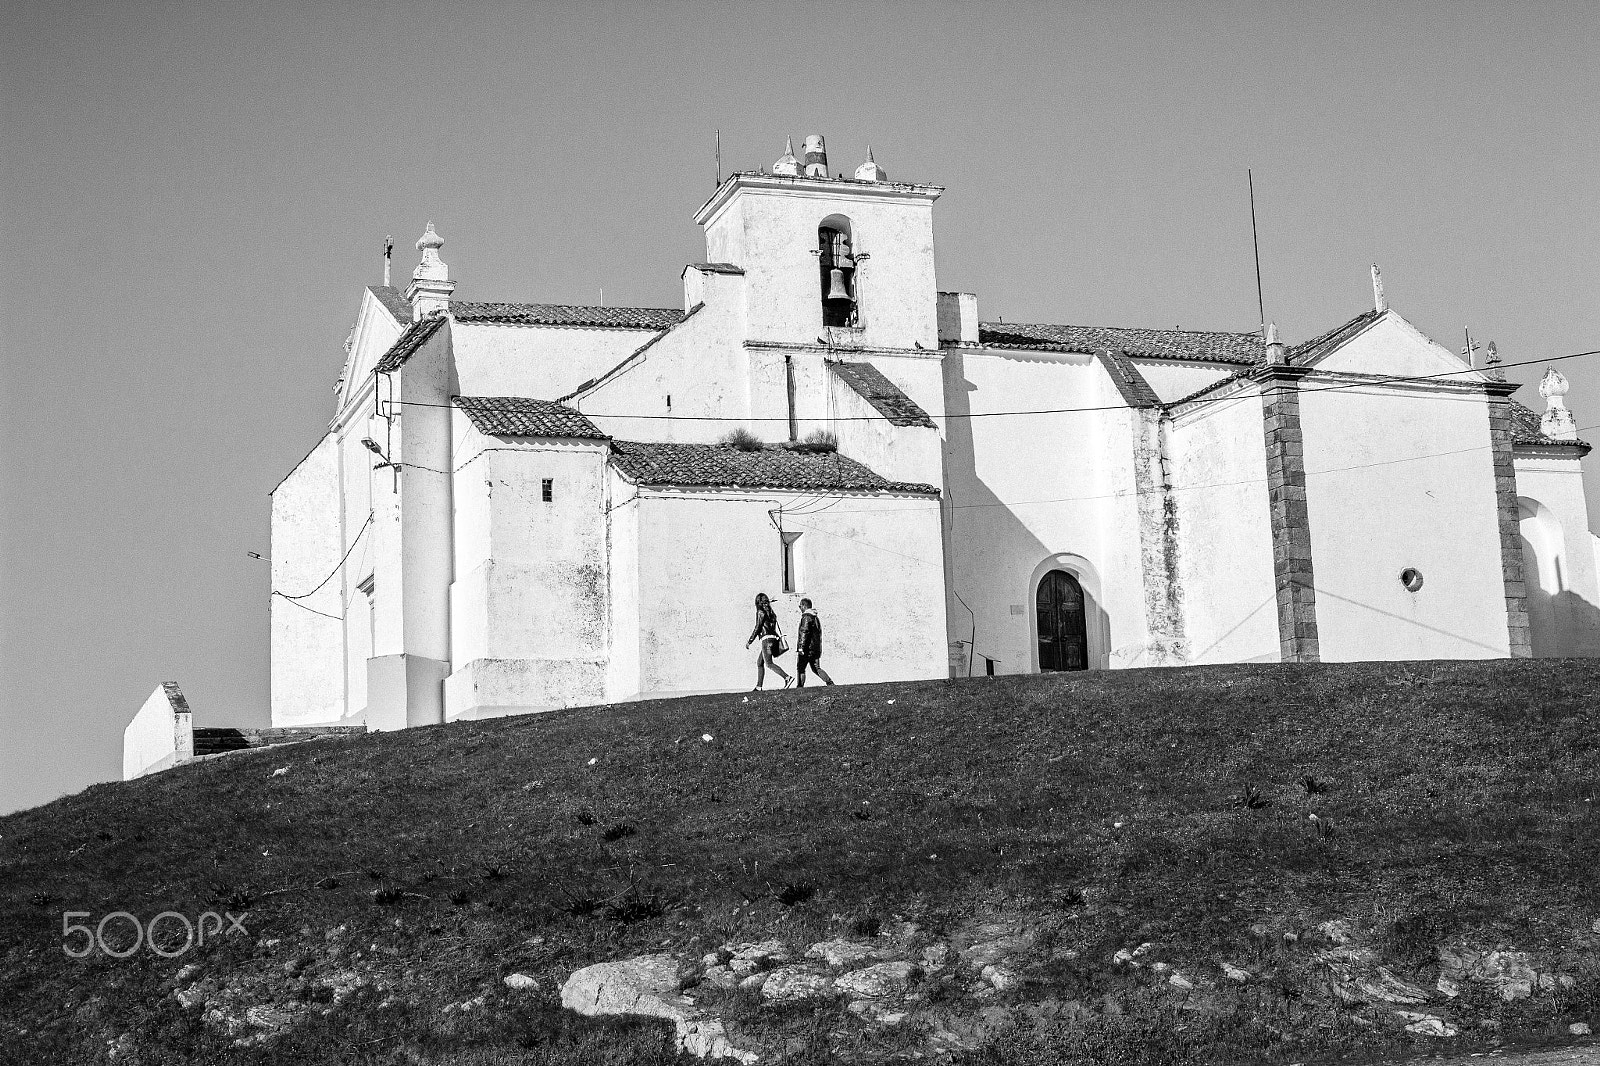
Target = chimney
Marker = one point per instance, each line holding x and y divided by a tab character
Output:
1380	302
816	156
430	286
958	318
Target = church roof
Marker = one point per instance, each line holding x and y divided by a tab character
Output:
393	301
772	467
884	395
1239	349
1134	389
523	416
566	315
1309	351
408	343
1526	429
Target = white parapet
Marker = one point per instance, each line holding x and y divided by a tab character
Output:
160	736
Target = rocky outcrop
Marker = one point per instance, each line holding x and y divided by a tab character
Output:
650	986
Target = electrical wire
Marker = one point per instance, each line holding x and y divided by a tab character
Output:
307	595
1364	383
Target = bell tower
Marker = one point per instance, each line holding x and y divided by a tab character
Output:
828	259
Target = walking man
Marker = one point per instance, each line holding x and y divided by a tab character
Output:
808	645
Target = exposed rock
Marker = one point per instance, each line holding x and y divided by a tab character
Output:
999	943
1426	1024
793	983
520	981
1579	1029
755	980
1447	986
1235	973
1338	930
1002	978
746	959
877	1013
1511	972
936	956
1388	988
648	986
876	982
720	976
841	952
1177	980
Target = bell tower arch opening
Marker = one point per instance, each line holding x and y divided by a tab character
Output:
836	260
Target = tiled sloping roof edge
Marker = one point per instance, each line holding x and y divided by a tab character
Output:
577	315
406	346
1135	390
637	353
394	302
1302	354
717	268
1209	346
868	382
524	416
1213	387
718	466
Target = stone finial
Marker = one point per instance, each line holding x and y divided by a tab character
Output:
1277	351
430	286
1557	422
787	165
1491	364
1380	302
870	170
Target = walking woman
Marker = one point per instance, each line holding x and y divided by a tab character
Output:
766	631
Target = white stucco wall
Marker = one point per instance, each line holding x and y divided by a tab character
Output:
1563	590
1225	531
540	361
871	564
528	604
161	734
1023	490
1173	380
307	648
1398	479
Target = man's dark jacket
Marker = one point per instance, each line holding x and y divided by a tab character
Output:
809	640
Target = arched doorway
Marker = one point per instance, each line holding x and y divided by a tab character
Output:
1063	626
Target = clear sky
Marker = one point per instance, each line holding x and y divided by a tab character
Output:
194	194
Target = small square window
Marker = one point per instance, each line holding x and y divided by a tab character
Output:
988	666
547	489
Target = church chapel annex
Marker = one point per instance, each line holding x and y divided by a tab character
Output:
526	506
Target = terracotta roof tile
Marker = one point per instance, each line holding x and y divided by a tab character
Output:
567	315
884	395
406	346
1238	349
773	467
522	416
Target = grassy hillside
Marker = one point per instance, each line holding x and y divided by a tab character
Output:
388	880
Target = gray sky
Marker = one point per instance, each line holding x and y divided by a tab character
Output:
194	194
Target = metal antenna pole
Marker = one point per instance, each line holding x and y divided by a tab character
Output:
719	159
1255	241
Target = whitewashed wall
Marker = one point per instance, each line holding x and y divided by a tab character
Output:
1225	531
539	361
161	734
1563	590
307	667
1026	490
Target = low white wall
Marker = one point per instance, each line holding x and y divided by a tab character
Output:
160	736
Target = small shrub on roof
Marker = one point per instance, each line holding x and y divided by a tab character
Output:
742	439
819	440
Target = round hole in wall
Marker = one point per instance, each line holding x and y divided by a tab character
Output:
1411	578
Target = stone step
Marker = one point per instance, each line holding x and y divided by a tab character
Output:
219	740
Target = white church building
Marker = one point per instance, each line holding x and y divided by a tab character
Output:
524	506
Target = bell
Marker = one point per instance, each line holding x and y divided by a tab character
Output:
837	289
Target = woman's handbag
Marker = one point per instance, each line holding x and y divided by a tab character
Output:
783	645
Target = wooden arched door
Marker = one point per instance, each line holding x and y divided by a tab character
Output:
1063	624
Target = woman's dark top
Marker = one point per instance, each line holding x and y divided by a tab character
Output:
766	623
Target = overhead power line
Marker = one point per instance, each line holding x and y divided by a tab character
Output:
1366	383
